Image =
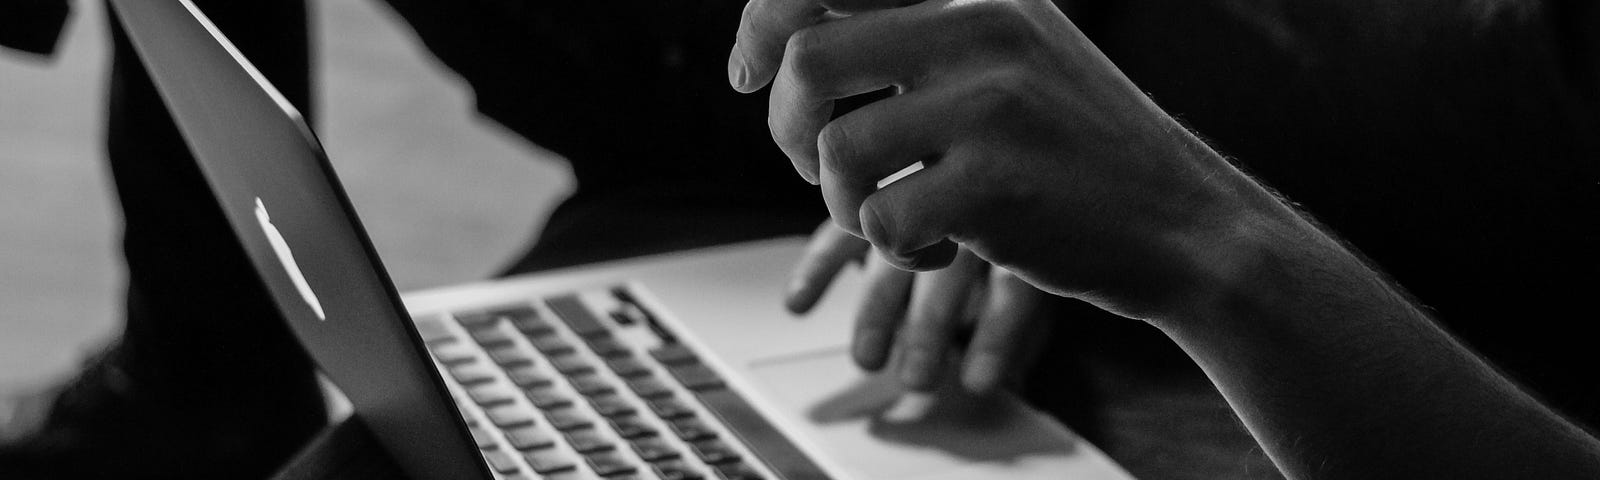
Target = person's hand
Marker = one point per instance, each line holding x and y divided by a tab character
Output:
1040	156
919	318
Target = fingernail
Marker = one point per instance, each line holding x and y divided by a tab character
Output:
917	371
737	76
809	177
982	373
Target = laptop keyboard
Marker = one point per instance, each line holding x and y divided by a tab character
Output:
550	390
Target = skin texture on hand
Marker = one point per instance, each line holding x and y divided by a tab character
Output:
919	317
1041	158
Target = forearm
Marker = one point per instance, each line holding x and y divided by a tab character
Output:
1338	375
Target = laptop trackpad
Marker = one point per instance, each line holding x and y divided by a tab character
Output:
868	426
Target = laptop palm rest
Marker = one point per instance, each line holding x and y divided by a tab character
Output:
868	424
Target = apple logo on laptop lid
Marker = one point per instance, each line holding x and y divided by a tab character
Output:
286	257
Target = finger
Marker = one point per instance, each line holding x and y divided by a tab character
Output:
937	301
847	57
830	249
878	140
883	306
910	221
766	26
1011	317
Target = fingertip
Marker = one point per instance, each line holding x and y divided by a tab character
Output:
738	70
808	174
932	257
875	229
799	297
869	350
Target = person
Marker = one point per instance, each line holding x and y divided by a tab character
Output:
198	396
574	76
1007	107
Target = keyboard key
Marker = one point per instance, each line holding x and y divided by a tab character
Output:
551	345
611	406
691	429
548	461
452	354
491	337
571	365
632	427
627	367
514	312
572	311
567	419
670	408
760	436
653	449
501	461
609	464
592	386
471	374
673	354
740	471
696	376
607	346
623	318
477	320
510	357
528	377
649	387
482	436
547	399
509	416
516	476
631	308
490	394
533	326
714	452
588	441
676	470
433	330
529	438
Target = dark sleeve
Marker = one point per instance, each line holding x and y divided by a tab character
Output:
32	25
633	93
547	70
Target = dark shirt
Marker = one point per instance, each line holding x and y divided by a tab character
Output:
32	25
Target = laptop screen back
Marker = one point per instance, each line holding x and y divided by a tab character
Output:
269	175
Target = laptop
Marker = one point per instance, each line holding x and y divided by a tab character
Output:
681	366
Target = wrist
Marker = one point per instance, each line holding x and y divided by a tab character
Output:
1249	255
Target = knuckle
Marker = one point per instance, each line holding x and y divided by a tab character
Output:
836	145
804	52
1002	94
1003	24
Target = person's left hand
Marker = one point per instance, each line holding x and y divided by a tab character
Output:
920	318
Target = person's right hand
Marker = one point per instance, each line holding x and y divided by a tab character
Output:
1039	155
919	318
